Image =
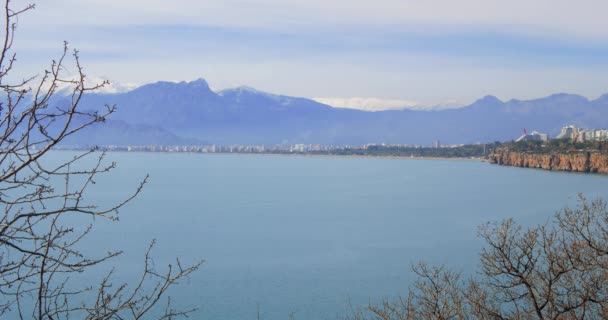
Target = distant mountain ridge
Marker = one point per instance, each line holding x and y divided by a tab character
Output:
190	112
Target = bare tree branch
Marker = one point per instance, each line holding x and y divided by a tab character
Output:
39	249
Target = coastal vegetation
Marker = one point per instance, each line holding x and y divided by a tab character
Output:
557	146
464	151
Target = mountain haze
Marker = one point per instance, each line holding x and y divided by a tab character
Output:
190	112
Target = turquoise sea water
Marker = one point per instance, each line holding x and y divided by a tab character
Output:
311	235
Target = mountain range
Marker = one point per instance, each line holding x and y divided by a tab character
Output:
192	113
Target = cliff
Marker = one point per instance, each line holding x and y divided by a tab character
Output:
578	161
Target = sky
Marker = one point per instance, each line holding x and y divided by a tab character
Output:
350	53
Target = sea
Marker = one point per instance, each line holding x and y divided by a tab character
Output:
304	237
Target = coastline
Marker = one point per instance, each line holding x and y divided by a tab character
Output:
583	162
294	155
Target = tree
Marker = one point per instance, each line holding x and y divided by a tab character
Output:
38	245
557	270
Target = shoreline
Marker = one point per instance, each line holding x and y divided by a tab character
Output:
307	155
294	155
581	162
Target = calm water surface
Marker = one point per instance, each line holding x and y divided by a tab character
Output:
310	235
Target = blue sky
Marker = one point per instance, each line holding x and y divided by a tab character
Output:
419	52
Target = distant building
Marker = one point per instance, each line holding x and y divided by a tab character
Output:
534	136
298	148
592	135
600	134
568	132
437	144
582	135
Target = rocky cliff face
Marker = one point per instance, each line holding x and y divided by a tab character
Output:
578	161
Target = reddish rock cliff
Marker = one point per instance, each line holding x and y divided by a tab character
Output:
577	161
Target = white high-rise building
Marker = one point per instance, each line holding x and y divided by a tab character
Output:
568	132
582	135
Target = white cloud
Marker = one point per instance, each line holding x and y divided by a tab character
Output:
92	81
554	18
117	87
426	81
144	41
377	104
